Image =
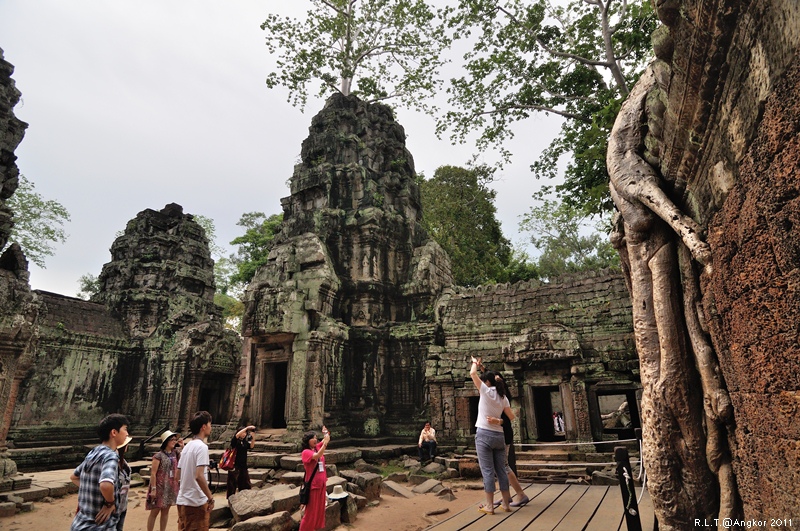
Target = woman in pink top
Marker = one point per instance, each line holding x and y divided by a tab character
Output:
314	456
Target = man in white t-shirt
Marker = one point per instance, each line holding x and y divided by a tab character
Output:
194	497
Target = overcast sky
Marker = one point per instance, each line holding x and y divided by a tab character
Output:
133	104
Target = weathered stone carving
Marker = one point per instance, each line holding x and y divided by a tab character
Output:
19	308
350	265
715	120
151	344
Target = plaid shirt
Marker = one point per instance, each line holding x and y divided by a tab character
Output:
101	464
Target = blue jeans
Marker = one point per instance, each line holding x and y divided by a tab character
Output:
491	448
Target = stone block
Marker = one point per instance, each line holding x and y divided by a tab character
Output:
285	498
21	482
349	510
417	479
264	460
395	489
333	516
6	485
32	493
291	462
248	504
450	473
349	475
342	455
361	501
399	477
275	522
428	486
366	467
434	468
370	483
26	507
333	481
8	509
604	478
293	478
221	513
352	488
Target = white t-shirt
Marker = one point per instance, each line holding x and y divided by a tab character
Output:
194	455
492	405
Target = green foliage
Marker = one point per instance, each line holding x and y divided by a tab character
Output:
228	292
38	222
232	309
459	214
576	61
562	233
88	286
391	48
254	244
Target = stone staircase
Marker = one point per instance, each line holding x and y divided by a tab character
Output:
580	463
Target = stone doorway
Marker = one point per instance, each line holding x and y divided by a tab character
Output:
215	395
276	415
541	403
270	387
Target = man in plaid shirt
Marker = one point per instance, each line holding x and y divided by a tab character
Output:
98	477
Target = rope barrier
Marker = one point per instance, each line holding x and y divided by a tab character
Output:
573	464
579	443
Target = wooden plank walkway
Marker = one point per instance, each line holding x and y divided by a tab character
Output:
554	507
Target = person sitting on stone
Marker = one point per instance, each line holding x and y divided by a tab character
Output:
427	443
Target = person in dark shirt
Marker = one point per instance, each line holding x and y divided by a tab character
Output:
239	477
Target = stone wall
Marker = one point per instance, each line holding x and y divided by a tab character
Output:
150	344
573	333
18	306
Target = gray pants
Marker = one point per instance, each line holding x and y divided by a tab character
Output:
491	448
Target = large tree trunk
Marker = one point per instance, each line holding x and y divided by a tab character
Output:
685	406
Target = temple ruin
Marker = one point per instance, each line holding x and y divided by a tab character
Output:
355	323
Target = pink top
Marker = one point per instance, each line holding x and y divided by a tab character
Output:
321	477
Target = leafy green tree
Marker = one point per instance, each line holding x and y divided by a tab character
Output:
88	286
459	214
38	222
576	61
388	48
226	296
566	240
254	244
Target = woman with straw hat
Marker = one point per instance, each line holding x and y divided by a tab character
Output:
163	490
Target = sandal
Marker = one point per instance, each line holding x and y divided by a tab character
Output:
507	509
484	510
520	503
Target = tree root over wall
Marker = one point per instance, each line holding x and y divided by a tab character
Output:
687	433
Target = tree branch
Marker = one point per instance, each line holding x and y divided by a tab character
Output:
541	108
555	53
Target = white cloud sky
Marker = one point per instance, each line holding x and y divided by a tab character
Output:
136	104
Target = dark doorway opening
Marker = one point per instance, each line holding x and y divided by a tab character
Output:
214	396
546	403
280	378
473	413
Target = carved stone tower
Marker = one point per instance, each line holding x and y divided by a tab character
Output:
327	319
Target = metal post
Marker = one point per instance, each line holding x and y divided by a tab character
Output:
628	488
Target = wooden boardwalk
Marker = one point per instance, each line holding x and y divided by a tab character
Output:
555	507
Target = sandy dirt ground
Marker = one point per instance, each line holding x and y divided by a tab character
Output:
391	513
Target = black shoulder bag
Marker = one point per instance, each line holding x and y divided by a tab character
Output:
305	490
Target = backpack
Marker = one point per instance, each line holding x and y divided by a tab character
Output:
228	461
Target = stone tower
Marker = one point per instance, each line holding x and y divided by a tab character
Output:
327	319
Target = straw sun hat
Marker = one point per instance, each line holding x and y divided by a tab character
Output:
338	493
